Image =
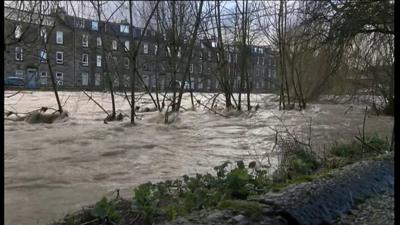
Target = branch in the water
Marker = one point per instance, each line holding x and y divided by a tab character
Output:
101	107
14	94
205	106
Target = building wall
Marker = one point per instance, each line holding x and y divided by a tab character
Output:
261	66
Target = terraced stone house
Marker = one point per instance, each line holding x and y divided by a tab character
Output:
85	54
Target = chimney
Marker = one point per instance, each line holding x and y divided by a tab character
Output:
61	12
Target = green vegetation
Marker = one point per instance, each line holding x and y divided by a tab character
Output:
355	149
170	199
105	210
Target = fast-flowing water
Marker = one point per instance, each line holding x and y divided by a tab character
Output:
55	169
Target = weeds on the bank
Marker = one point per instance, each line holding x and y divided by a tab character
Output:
179	197
354	150
105	210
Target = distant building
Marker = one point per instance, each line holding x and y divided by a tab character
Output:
78	55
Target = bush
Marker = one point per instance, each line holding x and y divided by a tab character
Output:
167	200
297	160
346	150
105	210
354	149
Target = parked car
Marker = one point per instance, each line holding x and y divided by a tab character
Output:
14	82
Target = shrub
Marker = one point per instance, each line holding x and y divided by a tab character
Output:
346	150
146	202
105	211
175	198
297	160
354	149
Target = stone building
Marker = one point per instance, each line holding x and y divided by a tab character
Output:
85	54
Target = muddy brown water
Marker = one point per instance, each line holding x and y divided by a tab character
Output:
55	169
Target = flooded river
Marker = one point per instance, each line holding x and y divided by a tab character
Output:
54	169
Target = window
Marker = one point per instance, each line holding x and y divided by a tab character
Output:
126	62
98	61
199	83
124	29
202	45
191	68
80	24
155	49
114	45
258	60
98	42
209	55
168	53
201	55
43	34
218	58
115	60
145	68
59	37
85	40
43	56
95	25
60	78
192	82
19	56
59	57
19	73
126	45
201	68
18	31
116	80
179	52
97	79
43	78
214	44
146	48
235	58
126	80
229	57
85	78
85	59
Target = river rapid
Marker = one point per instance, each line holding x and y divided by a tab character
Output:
55	169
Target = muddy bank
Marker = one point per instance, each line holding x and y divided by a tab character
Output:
321	201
